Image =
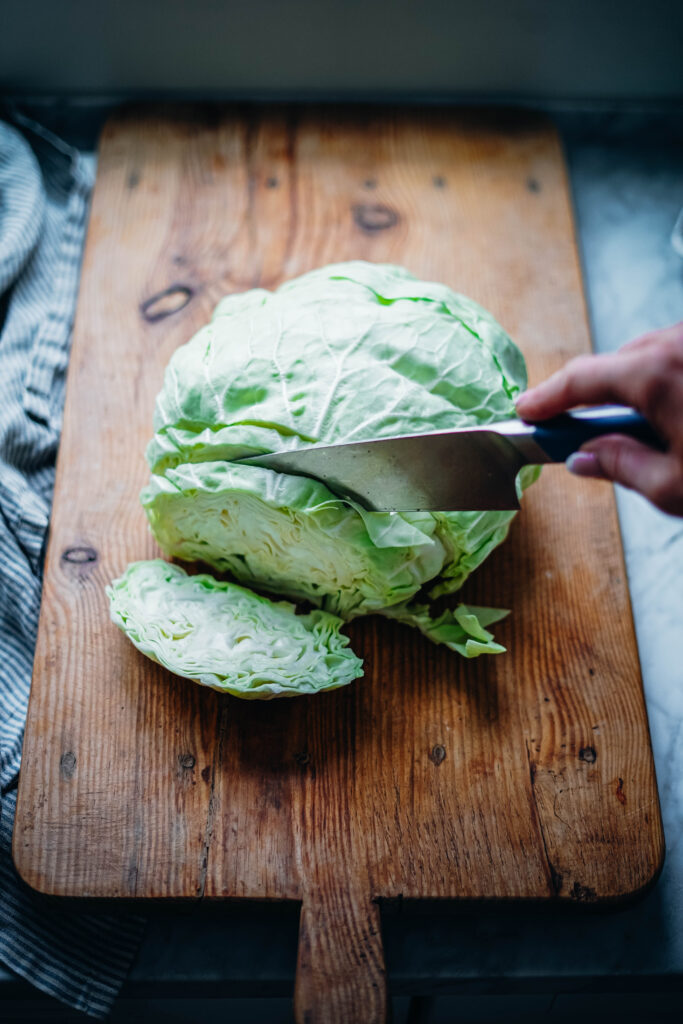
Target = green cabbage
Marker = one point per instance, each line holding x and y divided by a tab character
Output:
345	353
351	351
229	638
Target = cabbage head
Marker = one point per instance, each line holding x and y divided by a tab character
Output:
348	352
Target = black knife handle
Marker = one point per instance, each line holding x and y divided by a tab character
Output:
563	435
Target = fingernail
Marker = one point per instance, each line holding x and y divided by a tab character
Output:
585	464
521	400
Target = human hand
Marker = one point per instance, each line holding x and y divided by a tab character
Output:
647	374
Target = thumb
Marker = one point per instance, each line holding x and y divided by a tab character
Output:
658	476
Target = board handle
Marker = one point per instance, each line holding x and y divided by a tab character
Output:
340	972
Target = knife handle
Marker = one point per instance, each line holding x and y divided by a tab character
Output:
563	435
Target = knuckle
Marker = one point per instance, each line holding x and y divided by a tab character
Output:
674	353
617	461
666	490
667	355
669	358
657	379
673	336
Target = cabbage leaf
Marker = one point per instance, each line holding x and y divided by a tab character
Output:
226	637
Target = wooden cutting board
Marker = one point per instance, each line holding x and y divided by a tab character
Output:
524	776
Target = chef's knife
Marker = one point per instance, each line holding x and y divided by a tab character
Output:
448	470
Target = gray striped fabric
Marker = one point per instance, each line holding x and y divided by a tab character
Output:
79	957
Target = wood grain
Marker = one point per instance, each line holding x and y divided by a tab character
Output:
526	776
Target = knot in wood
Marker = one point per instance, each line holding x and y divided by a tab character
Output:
302	758
79	555
582	893
437	754
588	754
67	764
171	300
372	217
186	761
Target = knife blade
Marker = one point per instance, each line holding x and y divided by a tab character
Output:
470	468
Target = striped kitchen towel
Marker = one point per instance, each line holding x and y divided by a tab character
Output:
79	957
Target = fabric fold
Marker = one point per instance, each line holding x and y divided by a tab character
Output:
80	957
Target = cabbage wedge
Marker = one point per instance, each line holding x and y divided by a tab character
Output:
226	637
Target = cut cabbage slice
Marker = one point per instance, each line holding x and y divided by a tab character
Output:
229	638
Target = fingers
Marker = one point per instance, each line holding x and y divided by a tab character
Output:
657	476
666	336
646	373
588	380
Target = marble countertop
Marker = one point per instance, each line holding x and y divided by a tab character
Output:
627	182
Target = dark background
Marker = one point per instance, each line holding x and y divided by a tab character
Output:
348	49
